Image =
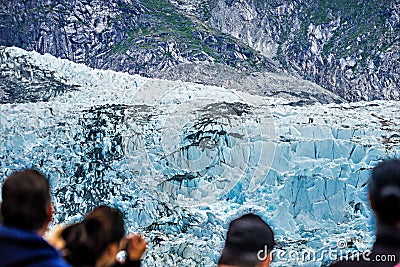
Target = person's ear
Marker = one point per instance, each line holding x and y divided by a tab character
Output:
50	213
109	256
49	217
112	251
371	203
266	262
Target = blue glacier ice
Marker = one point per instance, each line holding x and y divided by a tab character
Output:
183	159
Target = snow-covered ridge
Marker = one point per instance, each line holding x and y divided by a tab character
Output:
183	159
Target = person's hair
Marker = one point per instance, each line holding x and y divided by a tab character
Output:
384	191
26	198
246	237
86	241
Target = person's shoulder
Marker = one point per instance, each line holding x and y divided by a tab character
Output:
50	264
48	257
19	235
60	263
346	264
354	261
337	264
53	262
19	246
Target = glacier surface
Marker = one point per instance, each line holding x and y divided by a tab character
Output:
183	159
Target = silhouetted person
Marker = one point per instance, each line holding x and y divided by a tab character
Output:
98	238
249	243
26	210
384	196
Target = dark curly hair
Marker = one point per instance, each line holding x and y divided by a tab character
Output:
86	241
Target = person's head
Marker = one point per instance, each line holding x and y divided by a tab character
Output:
95	240
249	242
384	192
26	201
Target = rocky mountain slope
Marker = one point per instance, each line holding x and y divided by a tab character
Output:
141	37
350	48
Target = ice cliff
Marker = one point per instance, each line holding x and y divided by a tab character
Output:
183	159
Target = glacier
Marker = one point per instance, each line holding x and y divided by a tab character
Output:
183	159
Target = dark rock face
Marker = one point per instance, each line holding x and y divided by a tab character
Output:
348	47
143	37
81	31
